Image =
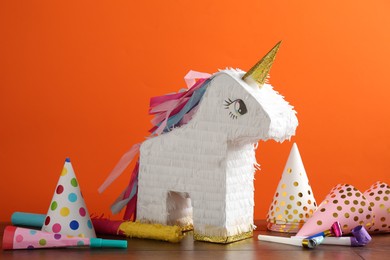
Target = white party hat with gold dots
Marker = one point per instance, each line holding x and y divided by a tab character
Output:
293	202
68	214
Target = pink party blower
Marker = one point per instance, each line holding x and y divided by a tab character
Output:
23	238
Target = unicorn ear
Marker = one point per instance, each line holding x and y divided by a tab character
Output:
258	73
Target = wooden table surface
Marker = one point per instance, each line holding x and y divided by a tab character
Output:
379	248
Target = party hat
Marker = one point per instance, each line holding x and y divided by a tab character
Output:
293	202
378	195
67	213
344	204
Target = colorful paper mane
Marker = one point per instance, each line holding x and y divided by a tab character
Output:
197	169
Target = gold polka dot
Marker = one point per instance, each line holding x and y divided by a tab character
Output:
290	216
289	170
349	189
385	198
335	201
372	204
305	208
307	215
311	211
292	197
383	219
346	202
295	183
283	186
277	209
363	203
300	194
289	206
295	211
353	209
339	208
285	212
277	194
299	203
345	226
335	215
282	203
322	210
382	206
309	202
346	215
349	194
387	192
280	216
272	213
355	218
301	215
360	210
284	194
319	222
380	192
377	198
368	216
275	202
308	192
343	196
388	210
355	202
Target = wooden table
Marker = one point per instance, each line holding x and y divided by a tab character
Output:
379	248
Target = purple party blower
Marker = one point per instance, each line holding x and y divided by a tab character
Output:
23	238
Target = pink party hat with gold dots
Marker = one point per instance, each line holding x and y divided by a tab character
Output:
293	202
344	204
379	197
68	214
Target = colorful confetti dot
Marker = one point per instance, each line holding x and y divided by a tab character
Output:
56	228
80	243
42	242
53	205
64	171
47	220
82	212
59	189
73	182
57	236
33	232
64	211
74	225
19	238
89	224
72	197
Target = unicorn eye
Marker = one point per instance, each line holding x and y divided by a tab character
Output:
236	107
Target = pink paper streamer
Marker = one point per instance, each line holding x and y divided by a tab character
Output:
191	77
121	166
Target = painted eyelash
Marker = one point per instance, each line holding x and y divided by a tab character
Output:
228	103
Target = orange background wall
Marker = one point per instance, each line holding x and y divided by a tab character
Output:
76	78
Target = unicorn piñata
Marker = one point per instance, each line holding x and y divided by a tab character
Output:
197	170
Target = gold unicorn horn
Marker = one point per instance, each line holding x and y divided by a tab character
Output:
259	72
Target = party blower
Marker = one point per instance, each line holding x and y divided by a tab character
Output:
23	238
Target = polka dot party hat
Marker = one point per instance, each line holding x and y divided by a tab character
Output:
67	213
379	197
293	202
344	204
